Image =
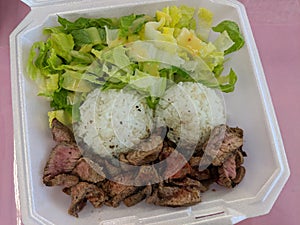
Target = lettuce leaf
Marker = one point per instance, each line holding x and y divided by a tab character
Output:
35	63
132	24
227	83
83	23
205	19
91	35
178	17
223	42
61	115
154	31
187	17
60	100
234	33
62	44
73	81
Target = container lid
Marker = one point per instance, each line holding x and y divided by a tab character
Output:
33	3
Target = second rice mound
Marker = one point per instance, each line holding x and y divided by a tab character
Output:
190	111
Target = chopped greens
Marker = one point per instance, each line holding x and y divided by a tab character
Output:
233	31
146	53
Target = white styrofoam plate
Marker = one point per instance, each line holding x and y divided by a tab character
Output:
249	107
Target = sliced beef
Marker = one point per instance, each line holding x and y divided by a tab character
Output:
200	175
227	172
62	159
124	163
174	196
83	192
188	183
146	152
177	166
65	180
166	152
239	158
111	170
134	176
240	173
61	133
147	175
67	190
86	172
195	161
138	197
231	172
223	143
117	190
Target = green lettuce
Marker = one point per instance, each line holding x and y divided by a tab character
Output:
83	23
61	115
205	18
89	36
234	33
62	44
132	24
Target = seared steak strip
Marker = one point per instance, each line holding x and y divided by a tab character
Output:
174	196
65	180
61	133
147	175
188	184
82	192
117	190
240	173
138	197
201	175
223	143
86	173
177	166
62	159
146	152
227	172
231	172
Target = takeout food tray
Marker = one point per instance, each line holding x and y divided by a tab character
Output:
249	107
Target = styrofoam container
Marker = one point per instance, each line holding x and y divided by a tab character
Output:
248	107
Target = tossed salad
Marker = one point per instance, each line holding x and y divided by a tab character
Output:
173	45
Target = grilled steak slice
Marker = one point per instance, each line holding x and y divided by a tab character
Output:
67	190
62	159
239	158
117	190
86	173
146	152
166	152
124	163
61	133
82	192
65	180
227	172
223	143
188	184
111	170
177	166
240	173
231	172
138	197
147	175
174	196
201	175
195	161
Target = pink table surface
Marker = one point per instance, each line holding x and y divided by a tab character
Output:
276	28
